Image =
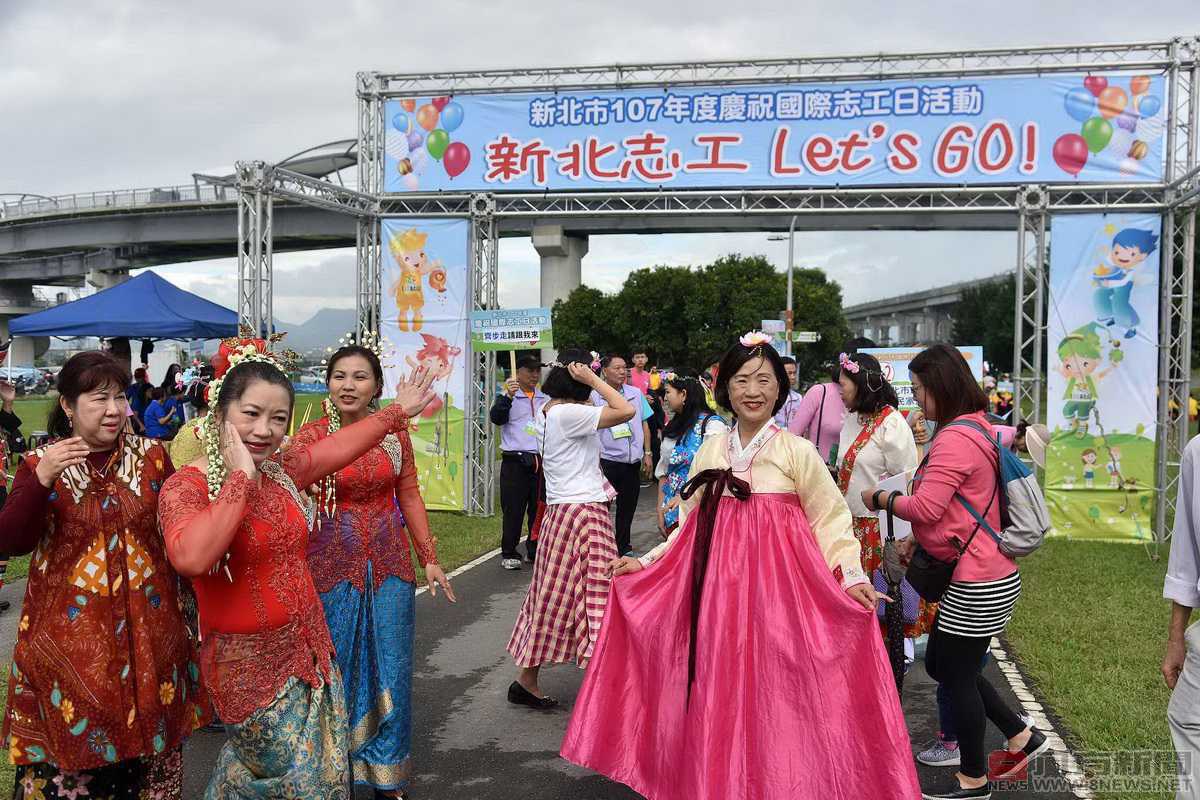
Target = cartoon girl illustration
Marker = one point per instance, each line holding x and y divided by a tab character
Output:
408	250
1115	279
437	355
1089	457
1080	355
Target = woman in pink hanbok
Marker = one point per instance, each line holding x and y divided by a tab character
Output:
742	658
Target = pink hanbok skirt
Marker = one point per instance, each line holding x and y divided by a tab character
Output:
793	696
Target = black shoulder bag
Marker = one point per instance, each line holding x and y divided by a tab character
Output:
931	576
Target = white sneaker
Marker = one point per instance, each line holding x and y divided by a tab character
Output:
510	563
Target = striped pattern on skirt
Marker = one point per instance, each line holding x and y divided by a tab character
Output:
560	618
979	608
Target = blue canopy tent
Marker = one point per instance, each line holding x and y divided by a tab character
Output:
145	307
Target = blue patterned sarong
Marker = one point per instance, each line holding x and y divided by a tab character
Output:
372	633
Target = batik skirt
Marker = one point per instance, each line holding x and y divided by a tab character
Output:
372	633
295	747
158	776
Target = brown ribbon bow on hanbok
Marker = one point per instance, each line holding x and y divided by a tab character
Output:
715	482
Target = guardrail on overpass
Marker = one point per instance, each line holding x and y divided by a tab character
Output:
33	205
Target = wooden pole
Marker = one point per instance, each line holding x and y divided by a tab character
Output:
512	364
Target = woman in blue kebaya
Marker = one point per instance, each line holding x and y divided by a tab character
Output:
691	423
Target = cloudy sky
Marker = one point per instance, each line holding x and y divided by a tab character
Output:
135	93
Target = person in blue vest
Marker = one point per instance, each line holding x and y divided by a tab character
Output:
520	462
625	453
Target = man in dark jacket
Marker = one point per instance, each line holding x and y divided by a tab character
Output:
515	411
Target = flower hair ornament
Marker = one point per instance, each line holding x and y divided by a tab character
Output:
754	339
595	365
373	343
852	367
232	352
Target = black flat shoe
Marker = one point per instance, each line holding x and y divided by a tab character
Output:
1036	745
519	695
954	791
4	606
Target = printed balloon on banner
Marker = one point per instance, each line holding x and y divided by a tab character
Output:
409	105
440	102
1149	105
401	122
1112	101
436	142
427	117
1097	132
452	117
1071	152
396	145
456	158
1095	84
1080	104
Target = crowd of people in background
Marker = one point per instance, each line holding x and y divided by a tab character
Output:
783	479
268	582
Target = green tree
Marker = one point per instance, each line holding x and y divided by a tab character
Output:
984	316
687	316
585	319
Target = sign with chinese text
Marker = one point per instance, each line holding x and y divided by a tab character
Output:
895	360
1006	129
511	329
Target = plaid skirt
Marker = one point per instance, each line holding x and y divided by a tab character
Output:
560	618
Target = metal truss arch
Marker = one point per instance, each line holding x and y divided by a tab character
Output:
1021	208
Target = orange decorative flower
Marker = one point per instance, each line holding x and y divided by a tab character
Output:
68	711
166	693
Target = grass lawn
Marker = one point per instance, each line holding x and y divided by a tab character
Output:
1089	630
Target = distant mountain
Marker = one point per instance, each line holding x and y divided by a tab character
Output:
322	330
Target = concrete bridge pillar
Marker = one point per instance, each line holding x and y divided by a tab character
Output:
17	300
562	266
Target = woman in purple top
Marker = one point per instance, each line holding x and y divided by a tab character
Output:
820	415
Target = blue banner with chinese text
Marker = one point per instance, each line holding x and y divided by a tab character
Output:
1053	129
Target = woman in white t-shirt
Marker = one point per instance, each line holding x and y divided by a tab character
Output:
560	618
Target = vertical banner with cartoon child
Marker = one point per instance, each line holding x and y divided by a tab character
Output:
424	318
1102	345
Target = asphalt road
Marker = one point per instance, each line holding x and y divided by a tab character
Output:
468	742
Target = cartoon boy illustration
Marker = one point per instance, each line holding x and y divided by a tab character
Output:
1114	280
1088	457
408	250
1080	355
437	356
1114	467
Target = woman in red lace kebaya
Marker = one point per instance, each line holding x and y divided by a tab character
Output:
235	523
360	562
105	682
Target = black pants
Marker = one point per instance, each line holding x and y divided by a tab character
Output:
627	480
518	499
955	662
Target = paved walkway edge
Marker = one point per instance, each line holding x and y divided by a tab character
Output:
1063	756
